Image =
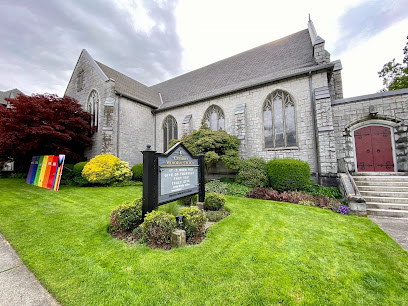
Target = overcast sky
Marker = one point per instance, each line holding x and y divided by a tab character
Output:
152	41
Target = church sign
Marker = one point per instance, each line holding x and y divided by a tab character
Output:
171	176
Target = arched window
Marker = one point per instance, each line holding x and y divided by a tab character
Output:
92	107
214	118
279	120
169	131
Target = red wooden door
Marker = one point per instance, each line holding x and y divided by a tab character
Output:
374	149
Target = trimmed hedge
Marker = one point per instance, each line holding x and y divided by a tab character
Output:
288	174
137	172
214	201
127	216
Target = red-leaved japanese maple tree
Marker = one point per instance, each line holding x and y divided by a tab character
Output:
43	125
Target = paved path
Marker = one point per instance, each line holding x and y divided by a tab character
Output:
18	286
397	228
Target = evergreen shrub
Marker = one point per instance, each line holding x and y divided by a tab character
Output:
194	221
78	168
158	226
106	169
214	201
188	201
252	173
288	174
127	216
137	171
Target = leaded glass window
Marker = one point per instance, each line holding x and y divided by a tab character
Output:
214	118
169	131
92	107
279	120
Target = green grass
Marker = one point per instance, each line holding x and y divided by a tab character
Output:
264	253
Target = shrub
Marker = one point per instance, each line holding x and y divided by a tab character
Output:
172	208
214	201
216	215
237	190
316	190
188	201
194	221
288	174
106	169
252	173
216	186
158	226
79	180
78	168
227	180
67	174
286	196
137	171
322	201
127	216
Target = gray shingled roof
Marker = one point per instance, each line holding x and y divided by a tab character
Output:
131	88
286	56
13	93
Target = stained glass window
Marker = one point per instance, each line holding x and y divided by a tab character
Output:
214	118
92	107
279	120
169	131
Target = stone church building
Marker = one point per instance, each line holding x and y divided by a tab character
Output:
282	99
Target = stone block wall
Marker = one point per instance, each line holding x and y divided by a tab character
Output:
103	140
135	130
252	136
391	110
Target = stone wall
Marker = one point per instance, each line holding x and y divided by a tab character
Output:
136	130
391	110
244	118
103	140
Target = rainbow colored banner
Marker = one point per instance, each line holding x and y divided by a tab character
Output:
45	171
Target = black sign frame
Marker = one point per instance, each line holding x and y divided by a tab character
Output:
152	166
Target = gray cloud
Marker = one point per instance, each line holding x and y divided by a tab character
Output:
368	19
42	40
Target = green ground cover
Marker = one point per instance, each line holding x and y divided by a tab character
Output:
264	253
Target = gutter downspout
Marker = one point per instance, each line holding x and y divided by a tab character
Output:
154	135
118	127
314	128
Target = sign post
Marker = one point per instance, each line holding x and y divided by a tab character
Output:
170	176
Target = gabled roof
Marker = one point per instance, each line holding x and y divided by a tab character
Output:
12	93
131	88
272	61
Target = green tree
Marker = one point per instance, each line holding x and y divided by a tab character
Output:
395	75
215	145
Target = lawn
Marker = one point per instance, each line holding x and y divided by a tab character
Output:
264	253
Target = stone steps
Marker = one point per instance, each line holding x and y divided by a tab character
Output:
386	194
394	206
388	213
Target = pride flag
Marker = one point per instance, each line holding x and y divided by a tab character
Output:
45	171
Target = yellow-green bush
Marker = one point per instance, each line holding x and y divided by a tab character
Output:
194	221
106	169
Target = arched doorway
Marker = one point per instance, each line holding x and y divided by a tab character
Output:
374	149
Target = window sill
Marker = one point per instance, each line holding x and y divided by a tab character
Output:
282	149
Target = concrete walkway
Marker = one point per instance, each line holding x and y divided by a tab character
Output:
18	286
397	228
